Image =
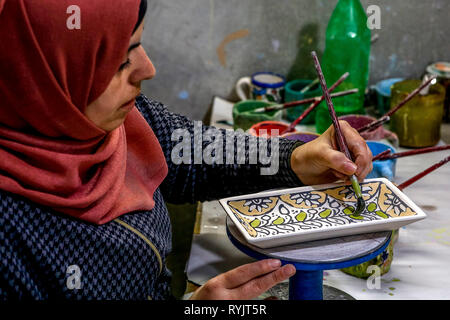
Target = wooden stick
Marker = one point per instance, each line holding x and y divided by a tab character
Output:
423	174
318	101
413	152
288	105
381	155
340	139
384	118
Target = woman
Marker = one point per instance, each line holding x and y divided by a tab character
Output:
85	162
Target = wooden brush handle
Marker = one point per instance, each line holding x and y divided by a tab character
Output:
423	174
340	139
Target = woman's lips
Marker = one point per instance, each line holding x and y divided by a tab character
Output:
128	105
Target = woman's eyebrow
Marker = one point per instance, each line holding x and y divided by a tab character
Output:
134	46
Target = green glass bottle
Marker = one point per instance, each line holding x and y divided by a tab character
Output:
347	48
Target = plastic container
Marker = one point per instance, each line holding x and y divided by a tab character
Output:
418	123
383	90
300	136
268	129
292	93
385	168
244	118
347	49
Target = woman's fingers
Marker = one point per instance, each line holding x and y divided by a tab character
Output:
337	161
257	286
247	272
245	282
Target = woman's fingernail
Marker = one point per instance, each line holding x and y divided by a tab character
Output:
290	270
275	263
350	166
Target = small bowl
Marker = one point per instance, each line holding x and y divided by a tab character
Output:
385	168
300	136
268	129
358	121
244	118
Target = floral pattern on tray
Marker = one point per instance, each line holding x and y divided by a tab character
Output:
308	210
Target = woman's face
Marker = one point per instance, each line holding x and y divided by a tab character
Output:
110	109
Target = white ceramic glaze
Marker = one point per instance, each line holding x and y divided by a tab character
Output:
282	217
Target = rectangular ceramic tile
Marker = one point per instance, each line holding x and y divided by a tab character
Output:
282	217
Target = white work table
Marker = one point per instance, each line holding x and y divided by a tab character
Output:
421	264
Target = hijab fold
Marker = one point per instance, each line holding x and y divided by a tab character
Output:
50	152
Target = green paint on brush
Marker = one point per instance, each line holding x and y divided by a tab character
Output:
356	186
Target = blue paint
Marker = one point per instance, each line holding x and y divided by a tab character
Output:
382	169
183	95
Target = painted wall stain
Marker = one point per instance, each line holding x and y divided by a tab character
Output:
183	95
221	52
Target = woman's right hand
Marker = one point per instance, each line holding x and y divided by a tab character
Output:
245	282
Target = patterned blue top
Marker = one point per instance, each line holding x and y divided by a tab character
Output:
47	255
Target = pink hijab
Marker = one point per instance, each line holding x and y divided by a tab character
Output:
50	152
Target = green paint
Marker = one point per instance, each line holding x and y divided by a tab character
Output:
356	217
356	186
395	280
349	210
301	216
255	223
391	294
371	207
325	213
392	288
280	220
381	214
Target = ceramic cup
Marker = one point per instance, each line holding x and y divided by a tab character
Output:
357	121
292	92
268	129
262	86
244	118
385	168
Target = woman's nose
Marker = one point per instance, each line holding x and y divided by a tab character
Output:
145	69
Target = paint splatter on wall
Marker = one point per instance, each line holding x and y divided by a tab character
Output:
221	52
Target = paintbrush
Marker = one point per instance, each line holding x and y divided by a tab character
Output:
309	86
381	155
423	173
317	102
375	124
291	104
340	139
410	153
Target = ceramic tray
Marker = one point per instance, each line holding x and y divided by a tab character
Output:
282	217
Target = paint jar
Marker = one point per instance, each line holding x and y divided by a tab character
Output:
358	121
385	168
442	71
244	118
268	129
292	92
418	123
383	261
383	90
300	136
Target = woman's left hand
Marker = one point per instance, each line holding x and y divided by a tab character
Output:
318	161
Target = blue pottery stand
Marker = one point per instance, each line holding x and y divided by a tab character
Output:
311	258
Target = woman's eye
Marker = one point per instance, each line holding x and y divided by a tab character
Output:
125	64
